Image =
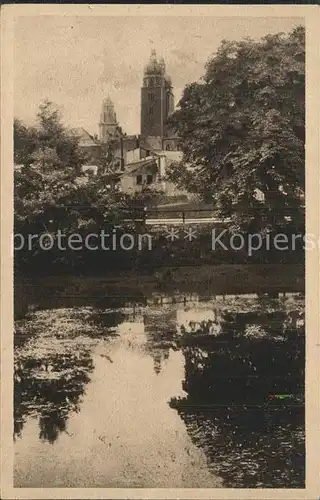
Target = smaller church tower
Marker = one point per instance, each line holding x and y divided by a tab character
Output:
108	120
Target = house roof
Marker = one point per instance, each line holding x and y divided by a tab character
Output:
85	139
132	167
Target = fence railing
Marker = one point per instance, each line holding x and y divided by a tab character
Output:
182	215
156	214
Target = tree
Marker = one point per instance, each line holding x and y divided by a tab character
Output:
25	142
50	163
242	129
52	193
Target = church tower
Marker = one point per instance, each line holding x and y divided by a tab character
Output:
108	120
157	100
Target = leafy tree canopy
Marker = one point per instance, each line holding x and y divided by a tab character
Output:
242	129
51	191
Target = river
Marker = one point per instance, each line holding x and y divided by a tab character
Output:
109	393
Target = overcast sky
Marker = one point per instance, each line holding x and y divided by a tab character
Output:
77	61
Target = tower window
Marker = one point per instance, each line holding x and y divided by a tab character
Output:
151	96
151	110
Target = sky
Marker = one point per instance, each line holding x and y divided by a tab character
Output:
77	61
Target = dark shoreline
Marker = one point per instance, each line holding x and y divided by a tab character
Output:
284	277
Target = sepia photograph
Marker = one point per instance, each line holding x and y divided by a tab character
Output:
159	251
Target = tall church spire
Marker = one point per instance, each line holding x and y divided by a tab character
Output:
108	120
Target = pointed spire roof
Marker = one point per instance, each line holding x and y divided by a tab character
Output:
154	67
107	102
108	114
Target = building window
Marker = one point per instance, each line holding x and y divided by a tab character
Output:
149	179
151	96
150	111
168	147
139	180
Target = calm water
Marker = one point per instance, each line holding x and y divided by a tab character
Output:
165	391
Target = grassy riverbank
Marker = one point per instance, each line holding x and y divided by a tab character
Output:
202	280
224	278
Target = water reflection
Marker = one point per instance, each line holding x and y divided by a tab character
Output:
251	448
177	390
160	328
251	438
52	367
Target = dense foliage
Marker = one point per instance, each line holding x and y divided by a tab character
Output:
51	192
49	176
242	129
